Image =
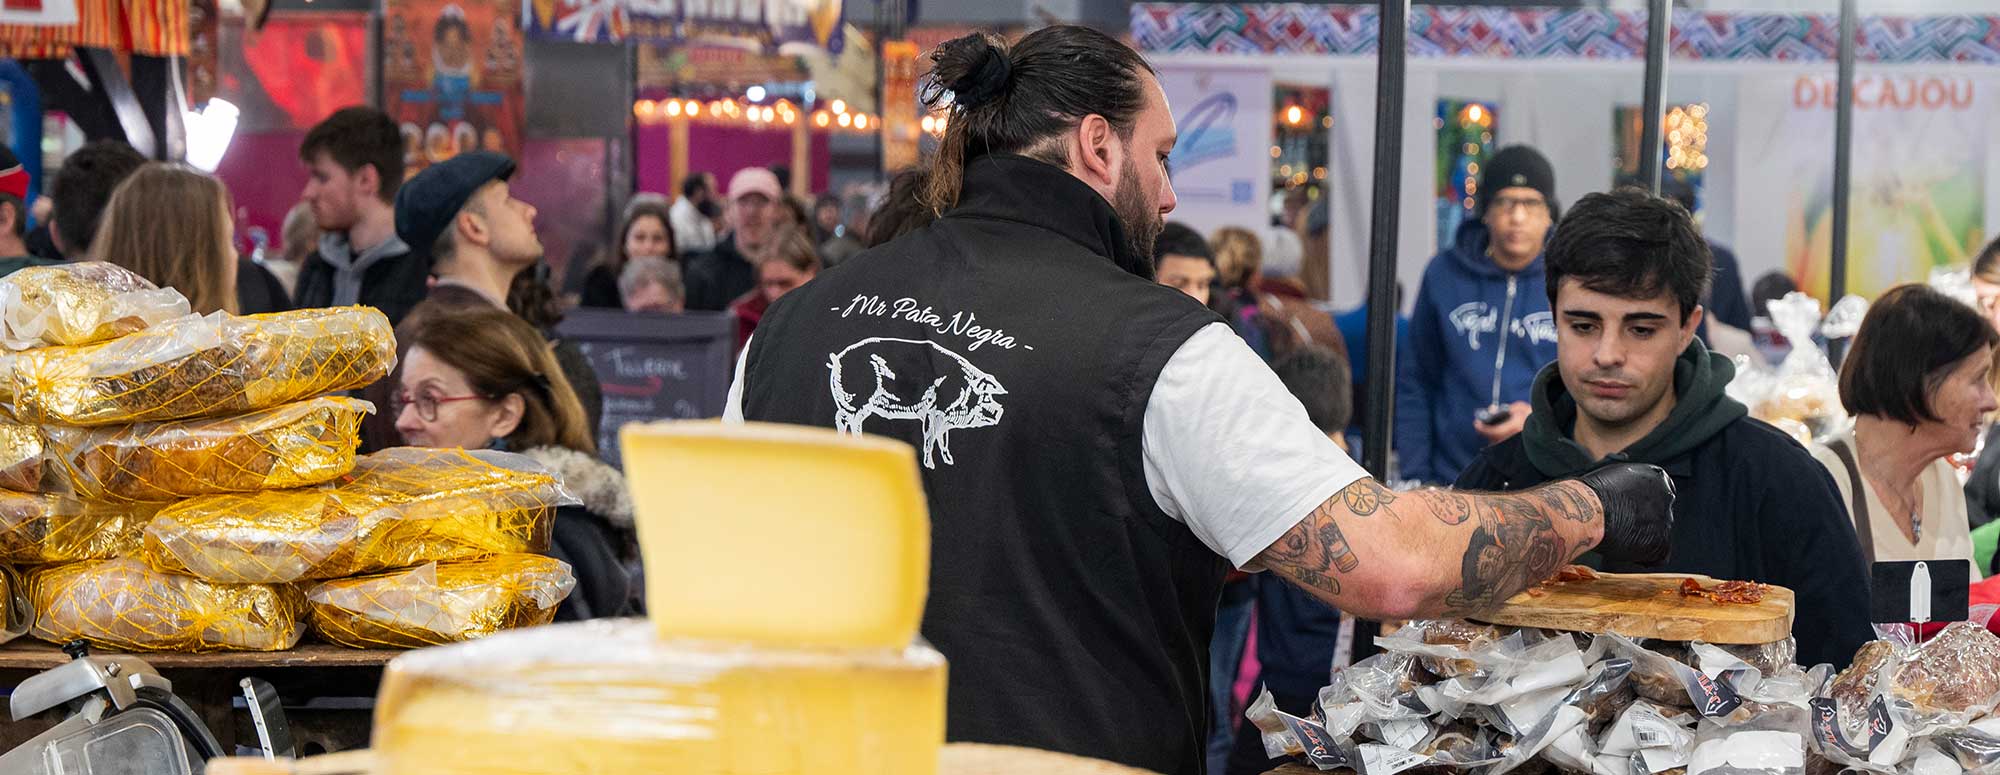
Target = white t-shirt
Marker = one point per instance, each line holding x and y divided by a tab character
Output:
1228	451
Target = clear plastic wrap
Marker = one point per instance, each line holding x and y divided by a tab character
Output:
214	366
1805	391
80	303
293	445
441	603
40	529
398	508
21	458
609	696
122	604
1459	697
15	612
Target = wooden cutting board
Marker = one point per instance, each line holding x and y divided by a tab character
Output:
1649	605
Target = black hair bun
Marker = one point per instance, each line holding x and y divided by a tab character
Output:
983	70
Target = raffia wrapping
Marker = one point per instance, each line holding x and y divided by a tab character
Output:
441	603
293	445
122	604
80	303
41	529
399	508
219	365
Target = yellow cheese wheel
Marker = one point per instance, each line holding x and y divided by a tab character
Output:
779	534
609	697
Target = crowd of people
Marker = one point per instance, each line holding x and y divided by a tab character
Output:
1578	354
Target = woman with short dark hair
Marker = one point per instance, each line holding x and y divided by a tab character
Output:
1918	382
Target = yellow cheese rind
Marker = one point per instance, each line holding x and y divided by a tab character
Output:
778	534
608	697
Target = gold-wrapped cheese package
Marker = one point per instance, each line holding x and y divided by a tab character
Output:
40	529
441	603
21	456
15	613
398	508
122	604
293	445
80	303
213	366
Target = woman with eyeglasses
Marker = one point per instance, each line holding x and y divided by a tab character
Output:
485	379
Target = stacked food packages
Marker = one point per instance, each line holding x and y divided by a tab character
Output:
1914	708
1454	695
1462	696
1802	395
803	659
180	482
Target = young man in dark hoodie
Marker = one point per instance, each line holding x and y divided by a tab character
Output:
1481	326
355	159
1626	273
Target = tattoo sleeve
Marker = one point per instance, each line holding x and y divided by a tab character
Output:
1460	552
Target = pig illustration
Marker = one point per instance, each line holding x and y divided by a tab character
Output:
865	385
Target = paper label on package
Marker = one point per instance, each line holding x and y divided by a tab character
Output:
1320	749
1658	760
1388	760
1407	734
1763	751
1712	698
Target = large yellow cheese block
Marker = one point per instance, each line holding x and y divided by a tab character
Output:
609	697
779	534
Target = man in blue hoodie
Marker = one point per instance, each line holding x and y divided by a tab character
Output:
1481	327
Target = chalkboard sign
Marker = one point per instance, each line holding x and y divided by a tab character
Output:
653	367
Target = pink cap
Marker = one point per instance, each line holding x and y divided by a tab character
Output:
755	180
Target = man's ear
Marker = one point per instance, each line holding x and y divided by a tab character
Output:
1692	325
369	181
472	228
10	217
1094	151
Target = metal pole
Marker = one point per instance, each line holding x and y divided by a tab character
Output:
1389	76
1659	18
1843	164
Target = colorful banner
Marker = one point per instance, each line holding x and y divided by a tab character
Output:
772	24
899	109
1921	178
451	75
1222	163
1580	33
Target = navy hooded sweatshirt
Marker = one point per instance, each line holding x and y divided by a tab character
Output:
1471	318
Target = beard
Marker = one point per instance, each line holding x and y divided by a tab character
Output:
1140	219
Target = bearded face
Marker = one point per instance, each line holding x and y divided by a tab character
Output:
1139	214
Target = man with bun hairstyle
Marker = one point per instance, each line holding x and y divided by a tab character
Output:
1098	449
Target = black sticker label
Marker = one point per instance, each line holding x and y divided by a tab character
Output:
1712	698
1826	727
1321	751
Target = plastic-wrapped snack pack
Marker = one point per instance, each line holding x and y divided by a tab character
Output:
441	603
214	366
40	529
1902	707
398	508
80	303
610	696
1453	696
293	445
122	604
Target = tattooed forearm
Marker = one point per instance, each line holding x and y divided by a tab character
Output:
1516	545
1434	552
1313	551
1365	497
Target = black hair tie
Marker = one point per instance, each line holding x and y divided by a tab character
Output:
987	79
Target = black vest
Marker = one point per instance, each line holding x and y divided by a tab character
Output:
1005	343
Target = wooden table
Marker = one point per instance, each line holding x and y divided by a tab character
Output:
328	691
